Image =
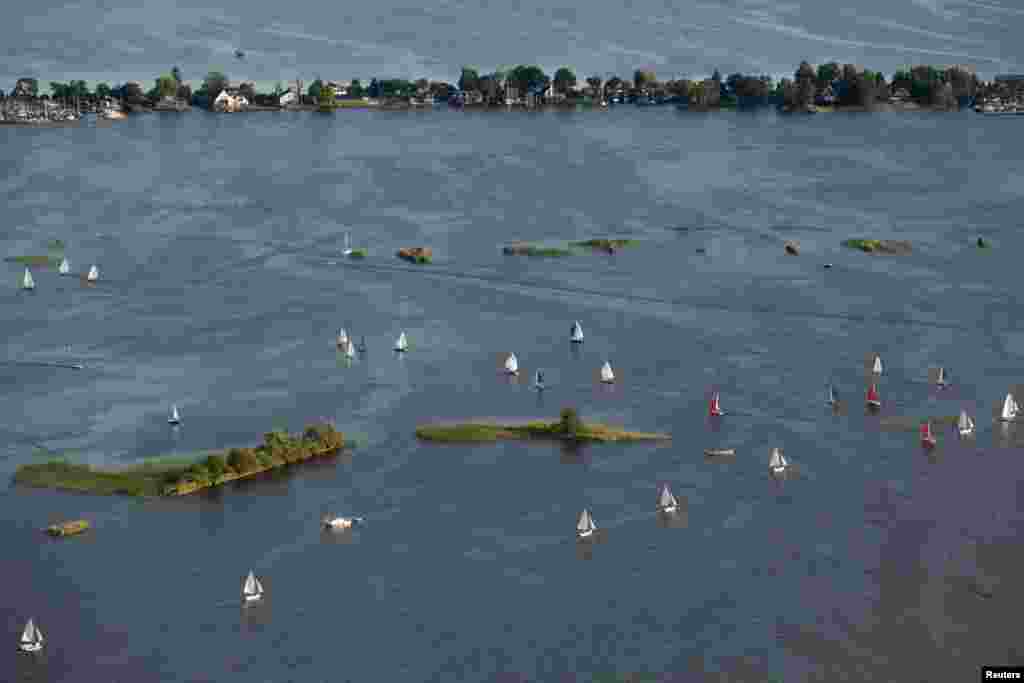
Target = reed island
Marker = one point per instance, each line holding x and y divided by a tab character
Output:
155	478
568	427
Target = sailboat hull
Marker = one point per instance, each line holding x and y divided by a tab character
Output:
874	404
778	470
668	509
585	534
253	598
30	647
966	432
172	421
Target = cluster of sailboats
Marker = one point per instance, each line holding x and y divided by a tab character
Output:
29	283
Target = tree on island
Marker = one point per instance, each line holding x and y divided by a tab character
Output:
103	90
643	78
214	83
595	86
469	80
357	89
564	80
527	78
316	88
176	75
166	86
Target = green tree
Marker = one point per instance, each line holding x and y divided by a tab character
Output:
569	421
595	83
564	80
214	82
469	80
215	465
643	78
78	89
58	91
526	77
176	74
827	73
357	89
315	89
278	89
166	86
103	90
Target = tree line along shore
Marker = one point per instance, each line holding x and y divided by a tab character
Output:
822	87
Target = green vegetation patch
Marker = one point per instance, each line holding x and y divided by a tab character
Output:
179	476
527	249
358	253
68	528
603	243
879	246
33	260
568	427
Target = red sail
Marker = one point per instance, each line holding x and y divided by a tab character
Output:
872	394
713	408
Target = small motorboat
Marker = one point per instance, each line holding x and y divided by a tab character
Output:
719	452
341	522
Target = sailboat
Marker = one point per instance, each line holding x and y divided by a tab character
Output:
175	418
511	365
965	424
585	527
26	281
940	380
362	345
927	438
607	376
341	522
347	251
94	274
833	399
31	638
252	589
666	501
873	400
1010	409
778	462
401	344
342	339
714	409
64	268
350	349
538	382
576	333
877	368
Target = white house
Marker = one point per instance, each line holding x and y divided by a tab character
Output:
288	98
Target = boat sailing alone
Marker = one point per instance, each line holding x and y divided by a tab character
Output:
1010	409
965	425
31	638
342	340
777	462
877	368
666	501
833	399
538	382
873	401
64	268
927	438
714	409
350	350
175	418
940	379
252	589
401	344
576	334
94	274
26	281
607	376
585	527
362	345
511	365
341	522
347	251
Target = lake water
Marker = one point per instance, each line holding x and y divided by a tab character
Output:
222	289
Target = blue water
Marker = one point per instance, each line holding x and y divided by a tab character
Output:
222	287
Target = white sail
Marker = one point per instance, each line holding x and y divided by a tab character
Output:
64	267
350	349
877	369
538	381
667	501
348	244
401	344
965	424
941	379
576	335
29	634
175	418
777	461
586	524
252	587
94	274
342	337
259	586
26	281
831	395
1009	408
606	373
512	364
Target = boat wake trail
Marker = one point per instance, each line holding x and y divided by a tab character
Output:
42	364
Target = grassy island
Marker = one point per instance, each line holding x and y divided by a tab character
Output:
527	249
419	255
358	253
155	478
606	244
879	246
568	428
68	528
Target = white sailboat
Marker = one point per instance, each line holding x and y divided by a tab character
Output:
347	251
350	349
342	340
401	344
94	274
175	418
511	365
31	638
877	368
585	527
576	334
666	501
538	382
26	281
940	380
778	462
607	376
64	268
341	522
252	589
362	345
965	424
833	400
1010	409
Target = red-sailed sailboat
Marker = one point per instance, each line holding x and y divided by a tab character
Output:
873	400
927	438
714	409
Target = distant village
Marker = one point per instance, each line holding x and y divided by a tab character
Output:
823	87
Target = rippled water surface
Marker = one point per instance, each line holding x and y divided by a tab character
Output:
222	288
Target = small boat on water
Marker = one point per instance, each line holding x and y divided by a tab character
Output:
873	400
175	418
511	365
833	399
585	527
777	462
31	638
927	438
666	501
576	333
341	522
940	379
607	376
347	251
342	340
1010	409
401	344
26	280
94	274
965	425
361	348
719	452
350	350
714	409
877	367
64	268
252	589
538	382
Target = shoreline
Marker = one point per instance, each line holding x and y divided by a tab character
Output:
486	432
